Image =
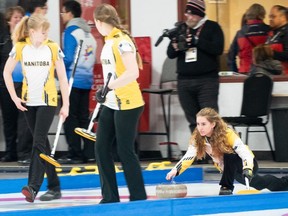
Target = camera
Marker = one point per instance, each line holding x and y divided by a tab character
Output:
178	34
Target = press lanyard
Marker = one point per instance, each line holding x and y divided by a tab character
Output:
198	30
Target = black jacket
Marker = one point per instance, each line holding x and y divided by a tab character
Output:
210	46
5	48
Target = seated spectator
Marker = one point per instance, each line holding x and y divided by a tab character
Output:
263	61
253	32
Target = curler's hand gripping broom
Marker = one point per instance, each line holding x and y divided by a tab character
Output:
87	133
50	159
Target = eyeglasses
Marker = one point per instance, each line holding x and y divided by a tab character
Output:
64	13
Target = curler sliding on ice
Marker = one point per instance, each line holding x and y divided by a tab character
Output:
88	133
230	155
50	159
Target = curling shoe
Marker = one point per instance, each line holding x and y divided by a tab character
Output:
51	195
29	193
225	191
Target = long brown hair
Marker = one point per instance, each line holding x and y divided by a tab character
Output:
218	140
108	14
33	22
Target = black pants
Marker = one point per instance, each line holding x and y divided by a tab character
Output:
39	120
18	138
195	94
233	168
25	138
10	122
78	117
122	126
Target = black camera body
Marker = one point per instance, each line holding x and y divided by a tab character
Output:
178	34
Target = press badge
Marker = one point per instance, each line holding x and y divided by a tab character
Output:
191	55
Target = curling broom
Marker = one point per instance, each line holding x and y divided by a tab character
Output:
50	159
248	189
87	133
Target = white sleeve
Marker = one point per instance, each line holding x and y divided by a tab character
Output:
186	160
125	46
244	153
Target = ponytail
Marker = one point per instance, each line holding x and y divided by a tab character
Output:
108	14
21	30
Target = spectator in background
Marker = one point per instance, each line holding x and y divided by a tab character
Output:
263	61
232	61
278	37
77	29
198	65
9	110
37	7
251	34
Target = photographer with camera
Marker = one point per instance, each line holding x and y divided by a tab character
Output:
197	60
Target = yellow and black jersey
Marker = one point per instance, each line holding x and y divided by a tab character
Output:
38	65
233	141
128	96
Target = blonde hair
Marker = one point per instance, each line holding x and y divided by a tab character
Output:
35	22
108	14
218	139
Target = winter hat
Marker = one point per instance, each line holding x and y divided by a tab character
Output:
196	7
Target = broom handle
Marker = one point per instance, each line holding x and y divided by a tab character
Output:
96	110
71	80
247	183
59	126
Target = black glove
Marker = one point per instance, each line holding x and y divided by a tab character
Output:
101	94
248	173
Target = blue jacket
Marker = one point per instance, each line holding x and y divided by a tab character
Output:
76	30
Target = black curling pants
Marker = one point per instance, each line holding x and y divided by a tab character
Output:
122	126
233	168
39	119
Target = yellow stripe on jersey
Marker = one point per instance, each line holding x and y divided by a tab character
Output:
129	96
184	164
240	148
231	137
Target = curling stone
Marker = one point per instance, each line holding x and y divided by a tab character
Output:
171	190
